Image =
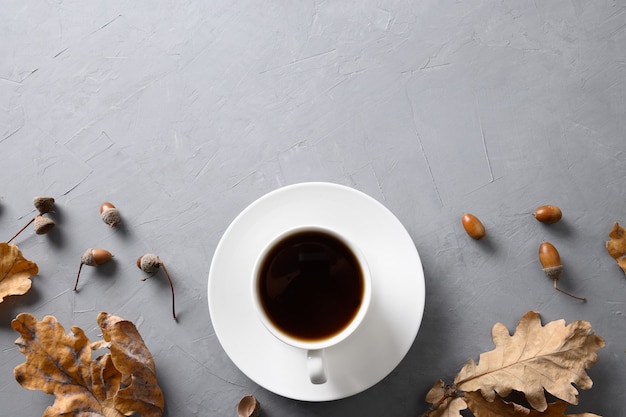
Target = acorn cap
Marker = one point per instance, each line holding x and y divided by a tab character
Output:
43	204
248	407
111	216
43	224
88	258
554	272
149	263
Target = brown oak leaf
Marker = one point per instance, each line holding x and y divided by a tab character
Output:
451	407
437	392
551	357
557	409
63	365
133	359
498	407
480	407
445	400
15	271
617	245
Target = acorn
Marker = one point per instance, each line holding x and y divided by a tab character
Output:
110	214
551	263
473	226
93	257
550	260
43	224
150	264
548	214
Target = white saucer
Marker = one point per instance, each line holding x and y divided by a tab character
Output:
389	328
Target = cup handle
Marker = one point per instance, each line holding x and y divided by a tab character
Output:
316	366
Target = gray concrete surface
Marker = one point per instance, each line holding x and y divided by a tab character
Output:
183	113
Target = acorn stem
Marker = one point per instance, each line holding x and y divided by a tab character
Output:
171	286
21	230
566	293
78	275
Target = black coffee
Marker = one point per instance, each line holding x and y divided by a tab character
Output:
311	285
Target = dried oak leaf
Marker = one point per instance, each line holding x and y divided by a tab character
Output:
61	364
617	245
444	401
534	358
498	407
133	359
437	392
15	271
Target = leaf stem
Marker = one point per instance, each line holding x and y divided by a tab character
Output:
21	230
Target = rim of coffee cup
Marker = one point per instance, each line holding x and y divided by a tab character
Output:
347	330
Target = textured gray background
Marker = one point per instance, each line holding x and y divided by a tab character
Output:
183	113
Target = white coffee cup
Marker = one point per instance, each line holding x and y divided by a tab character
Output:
311	289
